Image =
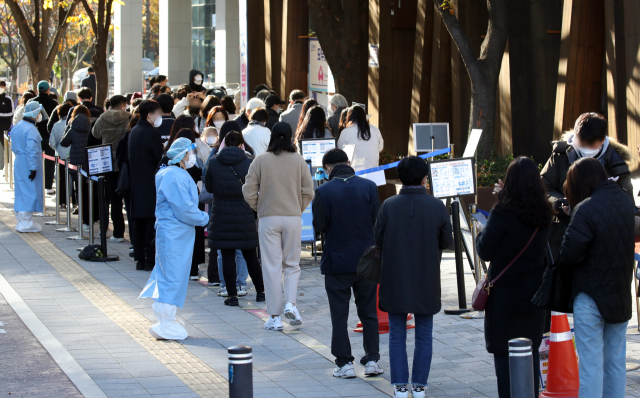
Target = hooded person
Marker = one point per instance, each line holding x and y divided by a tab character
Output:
177	216
26	145
195	81
337	104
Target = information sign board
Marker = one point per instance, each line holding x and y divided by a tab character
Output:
100	160
452	177
314	149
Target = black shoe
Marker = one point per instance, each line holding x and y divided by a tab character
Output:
131	254
149	267
140	266
232	301
260	297
130	247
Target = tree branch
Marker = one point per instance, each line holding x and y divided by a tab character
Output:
495	41
91	15
60	31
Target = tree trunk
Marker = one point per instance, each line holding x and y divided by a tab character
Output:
101	67
483	116
147	28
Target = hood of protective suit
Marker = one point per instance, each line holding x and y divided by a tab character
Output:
81	123
231	155
116	118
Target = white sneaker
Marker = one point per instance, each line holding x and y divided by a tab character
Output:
345	372
291	312
242	290
372	368
273	323
194	278
85	227
117	240
419	392
222	292
401	391
51	192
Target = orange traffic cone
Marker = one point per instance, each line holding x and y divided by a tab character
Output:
383	319
563	379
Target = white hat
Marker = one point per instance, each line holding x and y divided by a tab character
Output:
254	103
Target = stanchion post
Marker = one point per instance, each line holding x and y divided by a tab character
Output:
521	368
80	236
240	372
457	236
57	221
69	206
6	157
103	213
10	165
91	211
477	269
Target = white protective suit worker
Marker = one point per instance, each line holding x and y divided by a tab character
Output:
27	168
177	215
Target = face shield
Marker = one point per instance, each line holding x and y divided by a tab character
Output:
33	110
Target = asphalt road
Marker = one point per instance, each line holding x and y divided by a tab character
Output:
27	368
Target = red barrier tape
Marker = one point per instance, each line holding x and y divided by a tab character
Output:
48	157
61	161
72	167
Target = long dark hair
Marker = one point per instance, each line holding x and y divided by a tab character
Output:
308	104
233	139
314	124
524	194
182	122
583	176
358	117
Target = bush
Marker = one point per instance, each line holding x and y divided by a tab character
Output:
491	170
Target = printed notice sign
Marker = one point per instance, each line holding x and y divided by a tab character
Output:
452	177
315	149
100	160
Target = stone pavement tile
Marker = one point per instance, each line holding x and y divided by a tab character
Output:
271	392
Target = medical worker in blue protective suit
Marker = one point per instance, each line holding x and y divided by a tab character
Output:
177	215
27	166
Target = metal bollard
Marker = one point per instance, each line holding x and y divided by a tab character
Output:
80	236
477	272
521	368
91	211
240	372
457	240
69	206
57	221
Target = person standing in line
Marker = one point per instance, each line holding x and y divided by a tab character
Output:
306	107
598	248
217	116
145	153
337	104
280	198
292	115
366	138
17	115
61	152
229	105
27	168
520	220
243	119
90	82
256	134
412	229
6	115
177	216
166	104
233	225
274	108
345	210
110	128
48	104
314	125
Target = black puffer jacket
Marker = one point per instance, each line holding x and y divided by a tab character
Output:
75	136
599	246
232	222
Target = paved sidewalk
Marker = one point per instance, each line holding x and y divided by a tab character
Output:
92	309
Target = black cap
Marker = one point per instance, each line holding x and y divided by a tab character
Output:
272	100
281	130
260	87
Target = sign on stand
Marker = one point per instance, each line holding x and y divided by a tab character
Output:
100	160
452	177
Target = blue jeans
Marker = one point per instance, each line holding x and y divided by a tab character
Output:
398	349
241	269
602	348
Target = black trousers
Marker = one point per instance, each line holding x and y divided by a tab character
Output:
115	200
131	220
501	363
229	269
144	248
339	288
62	189
49	168
212	269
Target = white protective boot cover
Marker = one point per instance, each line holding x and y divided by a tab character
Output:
167	328
26	223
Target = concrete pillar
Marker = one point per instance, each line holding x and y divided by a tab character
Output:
227	42
128	46
175	40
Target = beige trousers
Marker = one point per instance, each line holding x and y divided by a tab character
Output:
280	253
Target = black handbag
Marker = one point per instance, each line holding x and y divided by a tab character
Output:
370	264
124	183
554	293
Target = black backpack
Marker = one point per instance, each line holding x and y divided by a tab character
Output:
90	251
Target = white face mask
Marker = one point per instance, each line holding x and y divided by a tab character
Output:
198	79
191	161
1	90
218	124
589	153
211	140
39	118
158	122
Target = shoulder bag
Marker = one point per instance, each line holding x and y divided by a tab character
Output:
554	293
370	264
482	291
124	182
